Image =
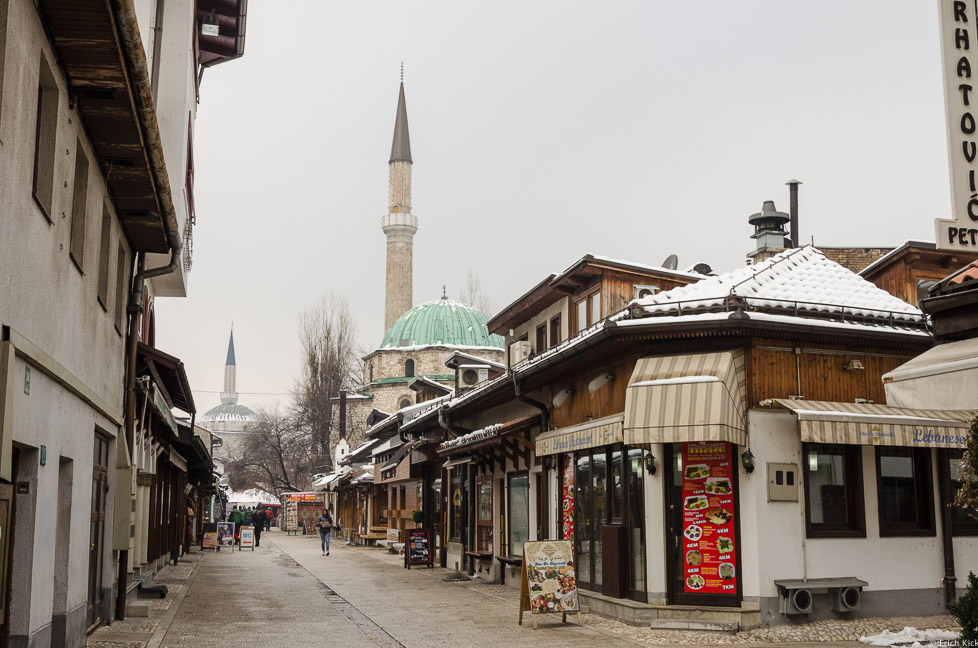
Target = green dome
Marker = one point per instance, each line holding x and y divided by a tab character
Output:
441	322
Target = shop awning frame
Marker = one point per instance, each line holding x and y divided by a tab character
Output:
593	434
693	397
879	425
399	455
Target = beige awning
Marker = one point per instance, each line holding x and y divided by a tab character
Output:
871	424
699	397
599	432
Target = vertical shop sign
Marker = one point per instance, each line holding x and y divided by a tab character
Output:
708	519
567	498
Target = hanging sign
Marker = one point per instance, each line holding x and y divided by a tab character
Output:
418	550
959	42
548	580
708	519
247	538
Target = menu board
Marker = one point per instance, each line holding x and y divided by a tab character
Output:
567	497
210	540
418	547
549	577
708	519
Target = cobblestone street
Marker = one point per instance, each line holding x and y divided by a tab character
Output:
285	593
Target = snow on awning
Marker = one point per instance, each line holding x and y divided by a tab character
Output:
698	397
879	425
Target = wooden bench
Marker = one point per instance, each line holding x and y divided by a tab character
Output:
374	533
480	555
508	561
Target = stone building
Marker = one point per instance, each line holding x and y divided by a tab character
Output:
418	340
228	420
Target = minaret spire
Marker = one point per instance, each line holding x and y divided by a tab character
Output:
229	396
400	225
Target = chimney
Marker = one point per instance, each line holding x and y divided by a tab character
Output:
768	232
343	414
793	210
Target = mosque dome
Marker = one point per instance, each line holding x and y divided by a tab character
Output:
229	413
441	322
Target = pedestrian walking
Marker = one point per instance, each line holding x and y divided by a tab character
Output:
259	525
237	516
268	518
249	517
325	524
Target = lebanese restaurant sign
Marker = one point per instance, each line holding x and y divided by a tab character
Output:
959	40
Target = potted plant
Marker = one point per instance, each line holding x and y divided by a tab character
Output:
418	517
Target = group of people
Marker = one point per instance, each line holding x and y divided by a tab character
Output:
259	517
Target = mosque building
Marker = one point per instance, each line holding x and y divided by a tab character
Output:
418	339
228	420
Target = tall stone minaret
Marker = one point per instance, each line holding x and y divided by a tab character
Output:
399	224
229	396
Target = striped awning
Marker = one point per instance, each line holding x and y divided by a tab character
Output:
880	425
700	397
600	432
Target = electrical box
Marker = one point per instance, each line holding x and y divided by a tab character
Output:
782	482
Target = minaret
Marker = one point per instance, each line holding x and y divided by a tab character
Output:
399	224
229	396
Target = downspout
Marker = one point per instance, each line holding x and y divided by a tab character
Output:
133	59
544	412
947	539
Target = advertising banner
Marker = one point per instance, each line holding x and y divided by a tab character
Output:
567	498
247	538
708	518
225	534
210	540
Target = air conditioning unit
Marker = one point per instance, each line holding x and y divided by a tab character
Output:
795	601
845	599
644	291
519	351
472	375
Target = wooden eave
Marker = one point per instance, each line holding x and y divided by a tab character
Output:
90	53
229	43
919	256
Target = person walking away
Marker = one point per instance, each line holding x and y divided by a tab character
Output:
249	517
259	525
238	517
268	518
325	524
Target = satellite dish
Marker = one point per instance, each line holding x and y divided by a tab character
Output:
671	262
702	269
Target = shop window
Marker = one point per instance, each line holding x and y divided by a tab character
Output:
79	208
554	331
905	492
962	522
484	514
409	368
541	338
45	138
833	491
519	512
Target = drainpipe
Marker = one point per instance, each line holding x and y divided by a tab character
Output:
947	540
544	412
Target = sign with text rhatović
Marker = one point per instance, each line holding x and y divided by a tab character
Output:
959	40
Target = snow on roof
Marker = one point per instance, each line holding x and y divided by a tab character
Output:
799	280
645	266
478	435
256	495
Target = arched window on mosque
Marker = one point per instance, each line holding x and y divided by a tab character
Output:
405	402
409	368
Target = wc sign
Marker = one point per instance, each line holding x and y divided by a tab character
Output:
959	45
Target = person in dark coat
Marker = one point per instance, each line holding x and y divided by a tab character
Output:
259	524
325	524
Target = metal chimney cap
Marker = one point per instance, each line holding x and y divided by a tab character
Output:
794	182
768	215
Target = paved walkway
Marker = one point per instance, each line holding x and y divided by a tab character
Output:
285	593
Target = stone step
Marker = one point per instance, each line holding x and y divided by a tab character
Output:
703	626
137	608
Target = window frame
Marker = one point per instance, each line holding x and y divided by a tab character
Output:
855	497
510	476
555	330
590	318
950	487
924	492
46	123
541	340
79	208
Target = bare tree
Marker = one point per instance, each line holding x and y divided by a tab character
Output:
328	335
474	294
275	454
967	497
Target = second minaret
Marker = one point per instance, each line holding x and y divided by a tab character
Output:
399	224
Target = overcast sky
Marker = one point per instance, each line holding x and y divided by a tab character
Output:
540	131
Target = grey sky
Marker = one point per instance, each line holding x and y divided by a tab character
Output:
540	131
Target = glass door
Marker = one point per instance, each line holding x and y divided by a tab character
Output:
635	522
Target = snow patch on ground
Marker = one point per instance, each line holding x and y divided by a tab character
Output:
912	637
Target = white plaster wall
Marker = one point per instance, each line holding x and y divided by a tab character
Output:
655	533
530	327
779	527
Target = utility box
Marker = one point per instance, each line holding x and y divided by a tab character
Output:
782	482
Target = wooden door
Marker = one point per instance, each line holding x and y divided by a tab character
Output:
100	487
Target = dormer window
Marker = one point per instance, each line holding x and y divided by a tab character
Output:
409	368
